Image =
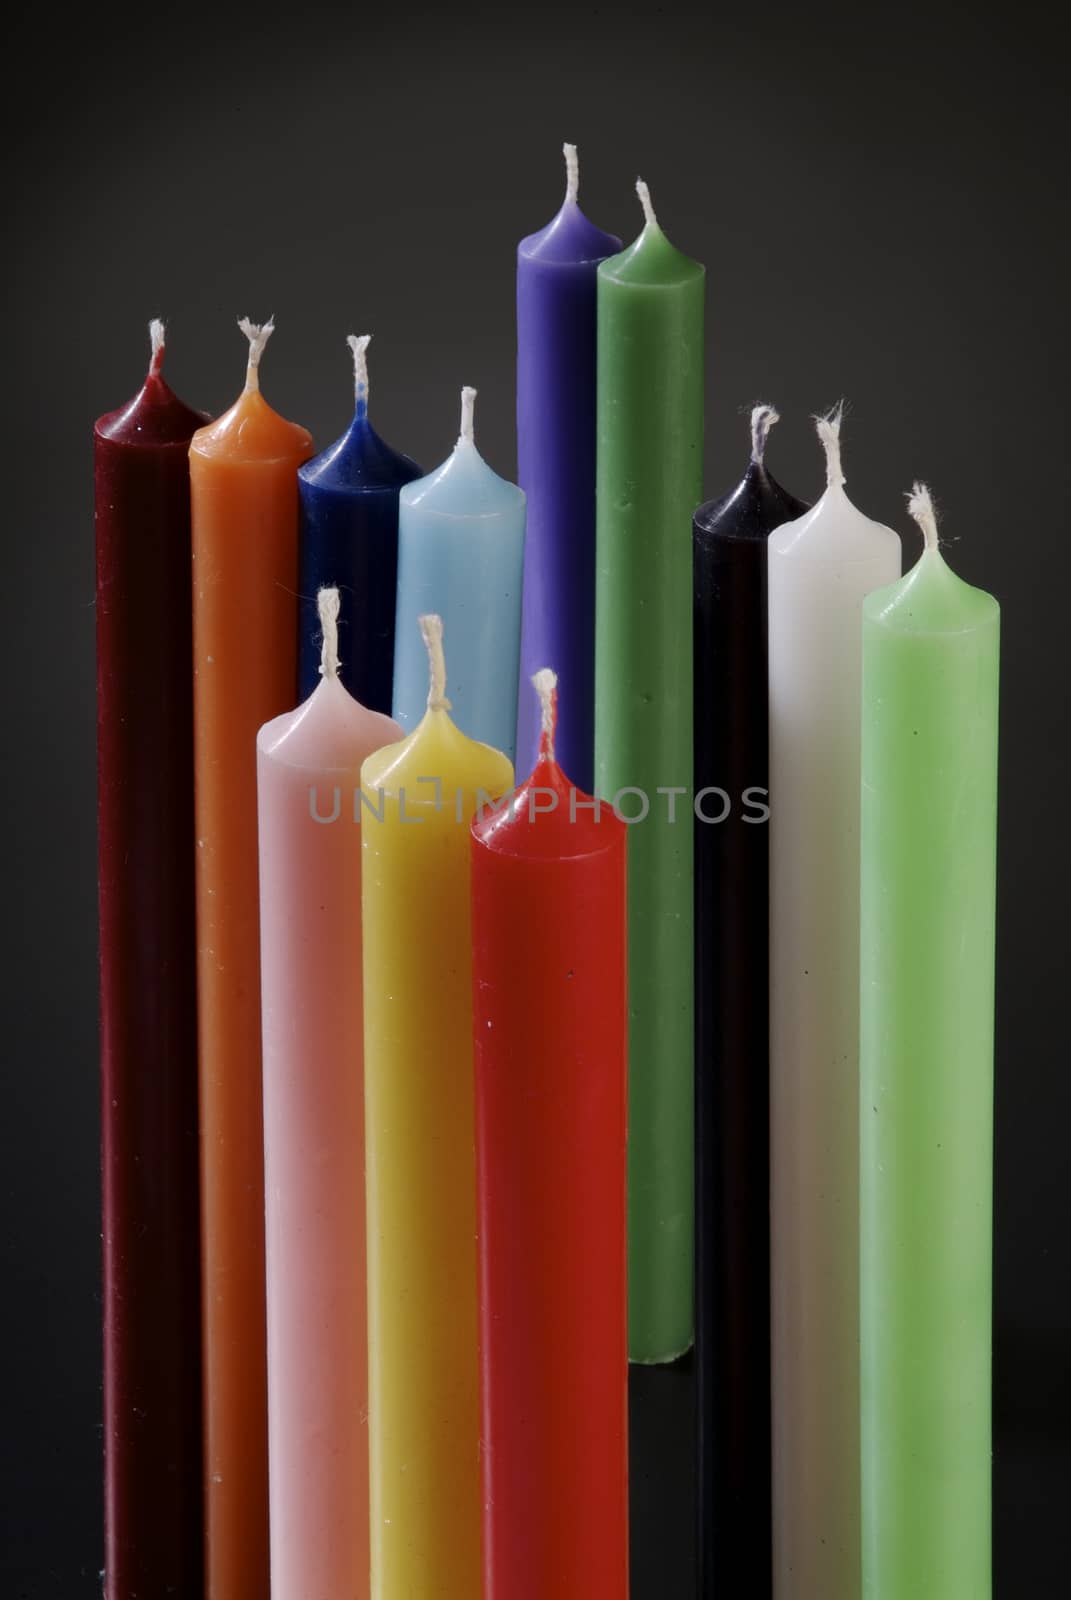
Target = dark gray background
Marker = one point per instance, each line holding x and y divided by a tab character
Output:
878	196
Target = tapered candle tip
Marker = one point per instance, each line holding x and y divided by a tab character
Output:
359	343
572	173
327	603
156	344
431	627
645	201
762	420
258	335
829	433
545	683
468	411
920	506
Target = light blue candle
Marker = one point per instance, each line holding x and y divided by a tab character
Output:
461	556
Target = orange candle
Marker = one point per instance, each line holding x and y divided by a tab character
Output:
243	475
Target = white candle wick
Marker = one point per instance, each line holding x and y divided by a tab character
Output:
328	603
359	346
650	220
431	626
762	420
156	344
572	173
468	411
920	506
545	684
258	335
829	432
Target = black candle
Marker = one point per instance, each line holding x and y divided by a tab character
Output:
732	1027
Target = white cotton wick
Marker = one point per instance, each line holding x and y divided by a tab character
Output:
545	684
468	411
156	344
359	345
920	506
572	173
328	604
762	420
644	193
258	335
431	627
829	432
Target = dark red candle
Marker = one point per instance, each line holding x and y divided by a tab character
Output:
152	1334
550	1029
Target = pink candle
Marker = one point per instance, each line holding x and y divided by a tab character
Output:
308	768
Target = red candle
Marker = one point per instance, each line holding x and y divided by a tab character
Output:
550	1027
152	1334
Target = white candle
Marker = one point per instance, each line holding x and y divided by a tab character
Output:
820	568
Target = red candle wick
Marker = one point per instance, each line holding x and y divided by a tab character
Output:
545	683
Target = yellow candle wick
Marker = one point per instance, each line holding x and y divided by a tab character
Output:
431	627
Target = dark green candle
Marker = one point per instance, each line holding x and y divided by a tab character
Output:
648	483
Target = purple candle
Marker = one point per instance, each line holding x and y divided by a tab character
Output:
556	469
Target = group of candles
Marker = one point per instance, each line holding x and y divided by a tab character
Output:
372	1014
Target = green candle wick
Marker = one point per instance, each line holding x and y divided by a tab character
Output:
921	508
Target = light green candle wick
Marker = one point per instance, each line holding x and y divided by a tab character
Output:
920	506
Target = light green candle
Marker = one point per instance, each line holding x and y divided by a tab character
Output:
649	481
929	772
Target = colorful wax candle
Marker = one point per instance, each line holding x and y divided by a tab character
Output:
243	473
732	1026
309	763
550	1002
929	791
461	557
148	995
418	799
820	567
649	472
556	320
348	539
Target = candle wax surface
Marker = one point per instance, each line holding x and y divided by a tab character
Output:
930	703
556	349
461	554
349	540
649	471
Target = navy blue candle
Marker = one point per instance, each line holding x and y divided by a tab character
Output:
349	541
732	1023
556	468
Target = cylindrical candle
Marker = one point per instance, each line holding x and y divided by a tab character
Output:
148	996
930	682
348	537
243	472
419	798
732	1026
819	569
461	557
649	471
556	319
551	1039
308	764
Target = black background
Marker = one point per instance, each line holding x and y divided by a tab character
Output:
878	195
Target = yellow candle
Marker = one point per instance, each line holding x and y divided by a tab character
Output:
418	798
